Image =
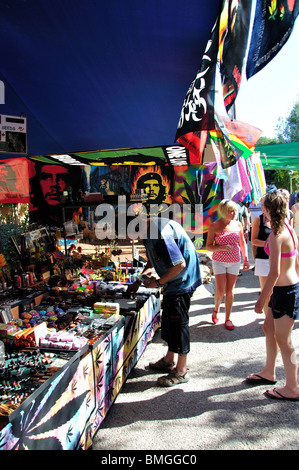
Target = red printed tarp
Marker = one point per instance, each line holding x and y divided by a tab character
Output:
14	181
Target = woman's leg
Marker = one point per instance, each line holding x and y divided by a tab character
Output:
229	294
283	329
220	281
271	348
262	280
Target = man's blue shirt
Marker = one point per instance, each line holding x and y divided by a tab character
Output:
167	244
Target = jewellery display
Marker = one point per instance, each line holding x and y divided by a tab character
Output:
23	373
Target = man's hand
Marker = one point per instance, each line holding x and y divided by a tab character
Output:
133	288
150	282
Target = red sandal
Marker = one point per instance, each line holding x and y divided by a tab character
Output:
215	320
229	325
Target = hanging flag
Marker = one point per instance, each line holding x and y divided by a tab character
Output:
194	142
247	133
233	38
221	172
273	24
197	113
238	185
230	147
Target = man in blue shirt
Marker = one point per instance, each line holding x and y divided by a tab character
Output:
173	256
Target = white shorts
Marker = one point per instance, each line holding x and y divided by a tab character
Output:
261	267
226	268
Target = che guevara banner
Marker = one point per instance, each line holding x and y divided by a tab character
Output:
233	39
273	24
197	115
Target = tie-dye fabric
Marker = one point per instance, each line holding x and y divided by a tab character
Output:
199	185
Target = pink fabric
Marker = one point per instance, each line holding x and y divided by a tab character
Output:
245	181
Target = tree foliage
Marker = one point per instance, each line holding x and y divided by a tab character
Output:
267	141
282	179
287	130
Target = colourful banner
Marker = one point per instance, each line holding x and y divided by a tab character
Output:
163	155
273	24
230	147
233	38
247	133
195	142
199	185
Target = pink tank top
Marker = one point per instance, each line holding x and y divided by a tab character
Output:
227	238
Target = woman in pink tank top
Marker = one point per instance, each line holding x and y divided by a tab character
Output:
226	241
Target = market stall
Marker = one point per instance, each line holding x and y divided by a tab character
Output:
94	335
55	394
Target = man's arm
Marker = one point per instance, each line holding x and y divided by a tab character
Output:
171	273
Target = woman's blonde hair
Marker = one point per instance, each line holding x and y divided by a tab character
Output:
277	205
225	206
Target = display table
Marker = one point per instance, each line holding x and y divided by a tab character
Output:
67	410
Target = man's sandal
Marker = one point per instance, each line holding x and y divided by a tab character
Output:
161	365
173	378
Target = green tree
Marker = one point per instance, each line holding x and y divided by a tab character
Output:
282	179
287	129
267	141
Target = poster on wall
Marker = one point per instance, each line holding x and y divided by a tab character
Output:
52	186
13	134
156	183
14	184
107	180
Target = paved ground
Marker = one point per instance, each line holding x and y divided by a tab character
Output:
215	410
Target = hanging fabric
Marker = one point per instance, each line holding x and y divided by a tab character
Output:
233	38
197	113
272	27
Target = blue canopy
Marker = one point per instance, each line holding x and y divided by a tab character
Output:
100	74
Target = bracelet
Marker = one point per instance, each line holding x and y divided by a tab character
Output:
158	283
